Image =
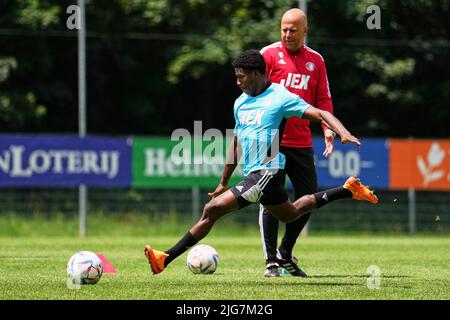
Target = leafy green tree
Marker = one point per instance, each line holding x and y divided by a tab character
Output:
153	66
19	108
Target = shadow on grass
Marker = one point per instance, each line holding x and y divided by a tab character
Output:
356	276
23	257
328	284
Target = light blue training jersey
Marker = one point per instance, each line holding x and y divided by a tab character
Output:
257	122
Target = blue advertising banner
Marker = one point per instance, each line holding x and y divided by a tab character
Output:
64	161
369	162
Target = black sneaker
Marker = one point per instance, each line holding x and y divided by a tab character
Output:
272	270
291	266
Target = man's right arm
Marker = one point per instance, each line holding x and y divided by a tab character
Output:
268	59
231	162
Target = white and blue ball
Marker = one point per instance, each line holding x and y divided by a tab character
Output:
84	267
203	259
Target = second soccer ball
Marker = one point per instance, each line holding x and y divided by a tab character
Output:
84	267
203	259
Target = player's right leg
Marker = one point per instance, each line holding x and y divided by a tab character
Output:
213	210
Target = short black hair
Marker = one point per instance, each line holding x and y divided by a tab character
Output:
250	60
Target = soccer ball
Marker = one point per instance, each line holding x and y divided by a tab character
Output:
84	267
202	259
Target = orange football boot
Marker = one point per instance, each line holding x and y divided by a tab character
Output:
360	191
155	259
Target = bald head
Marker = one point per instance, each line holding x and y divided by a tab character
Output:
295	16
294	27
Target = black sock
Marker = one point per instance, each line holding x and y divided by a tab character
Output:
270	233
181	247
326	196
291	234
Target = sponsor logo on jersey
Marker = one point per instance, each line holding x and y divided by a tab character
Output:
251	116
296	81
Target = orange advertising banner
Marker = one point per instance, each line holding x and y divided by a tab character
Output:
419	164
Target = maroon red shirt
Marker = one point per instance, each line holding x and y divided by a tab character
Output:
303	73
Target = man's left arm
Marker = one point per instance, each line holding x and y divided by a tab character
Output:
331	122
324	102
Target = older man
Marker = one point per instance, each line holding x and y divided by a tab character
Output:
302	71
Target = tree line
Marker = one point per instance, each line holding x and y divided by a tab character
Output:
154	66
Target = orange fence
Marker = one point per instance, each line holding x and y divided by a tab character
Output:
419	164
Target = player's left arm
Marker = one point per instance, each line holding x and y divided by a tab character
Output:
324	102
327	119
294	106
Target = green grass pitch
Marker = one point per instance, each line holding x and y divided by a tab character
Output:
411	268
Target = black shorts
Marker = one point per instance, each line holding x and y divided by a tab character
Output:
263	186
301	170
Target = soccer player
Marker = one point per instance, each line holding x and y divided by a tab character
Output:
258	113
302	71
